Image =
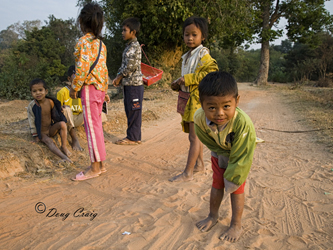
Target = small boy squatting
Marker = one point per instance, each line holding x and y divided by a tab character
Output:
46	119
230	135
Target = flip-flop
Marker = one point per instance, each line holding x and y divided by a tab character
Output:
126	141
102	171
81	177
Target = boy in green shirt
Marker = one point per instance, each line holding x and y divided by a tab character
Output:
229	133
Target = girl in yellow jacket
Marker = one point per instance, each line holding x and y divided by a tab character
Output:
196	64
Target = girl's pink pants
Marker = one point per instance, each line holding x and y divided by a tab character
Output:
92	103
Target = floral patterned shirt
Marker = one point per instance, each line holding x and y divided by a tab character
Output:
86	52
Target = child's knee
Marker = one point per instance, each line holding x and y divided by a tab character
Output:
46	139
63	125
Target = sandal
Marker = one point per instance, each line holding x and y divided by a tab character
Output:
81	177
126	141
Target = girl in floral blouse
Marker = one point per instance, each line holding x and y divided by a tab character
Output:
91	77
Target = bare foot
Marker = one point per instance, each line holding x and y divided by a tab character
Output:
232	234
181	177
206	224
76	145
89	173
199	167
102	169
66	151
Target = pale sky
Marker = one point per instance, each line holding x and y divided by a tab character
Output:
13	11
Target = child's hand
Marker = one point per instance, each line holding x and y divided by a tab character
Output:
181	81
73	93
63	107
117	80
175	86
107	98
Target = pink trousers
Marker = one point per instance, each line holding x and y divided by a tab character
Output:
92	103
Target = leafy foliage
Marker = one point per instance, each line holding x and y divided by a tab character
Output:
44	52
67	33
306	18
7	38
161	22
242	64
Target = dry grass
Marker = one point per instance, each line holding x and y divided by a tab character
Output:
315	107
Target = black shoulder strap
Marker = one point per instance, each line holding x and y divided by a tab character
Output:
92	66
96	61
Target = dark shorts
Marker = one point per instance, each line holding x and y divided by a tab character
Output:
218	181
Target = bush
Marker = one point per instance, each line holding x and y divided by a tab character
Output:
324	82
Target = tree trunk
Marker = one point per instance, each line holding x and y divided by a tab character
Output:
264	59
264	64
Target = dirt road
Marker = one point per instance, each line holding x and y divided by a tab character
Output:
289	193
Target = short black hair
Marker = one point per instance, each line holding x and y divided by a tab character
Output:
132	23
71	70
37	81
199	22
218	83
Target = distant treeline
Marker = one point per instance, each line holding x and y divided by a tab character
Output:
289	62
32	50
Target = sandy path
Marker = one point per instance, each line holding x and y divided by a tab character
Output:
286	206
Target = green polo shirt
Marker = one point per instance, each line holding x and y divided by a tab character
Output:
236	141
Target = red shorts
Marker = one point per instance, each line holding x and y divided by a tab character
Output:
218	181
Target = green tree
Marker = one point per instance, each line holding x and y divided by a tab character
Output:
306	18
324	53
161	21
285	47
36	56
21	29
300	62
67	33
7	38
241	63
43	45
306	62
277	70
249	65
